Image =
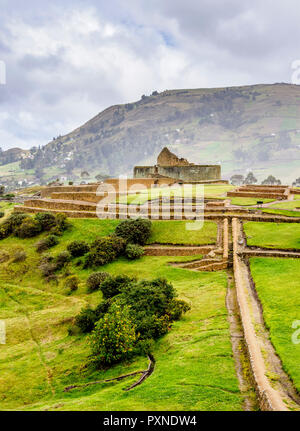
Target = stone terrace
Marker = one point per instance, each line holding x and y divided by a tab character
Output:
263	192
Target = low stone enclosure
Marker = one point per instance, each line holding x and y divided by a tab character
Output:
264	192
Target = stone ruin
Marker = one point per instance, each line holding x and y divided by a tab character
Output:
179	169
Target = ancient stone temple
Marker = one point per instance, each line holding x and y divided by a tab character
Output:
170	166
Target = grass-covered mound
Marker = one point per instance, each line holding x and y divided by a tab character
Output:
194	366
272	235
278	286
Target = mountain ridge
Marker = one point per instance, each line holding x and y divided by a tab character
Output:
253	127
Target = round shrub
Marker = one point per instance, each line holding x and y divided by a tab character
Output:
46	243
61	221
47	266
86	320
104	250
113	338
61	259
78	248
134	251
5	231
19	256
56	230
176	309
95	279
71	283
112	286
46	220
28	229
13	222
4	256
134	231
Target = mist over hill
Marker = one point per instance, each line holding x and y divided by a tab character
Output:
244	128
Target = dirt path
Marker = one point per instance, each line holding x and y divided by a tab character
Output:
239	350
269	253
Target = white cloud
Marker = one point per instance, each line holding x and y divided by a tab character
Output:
66	61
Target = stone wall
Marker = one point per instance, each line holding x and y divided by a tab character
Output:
167	158
184	173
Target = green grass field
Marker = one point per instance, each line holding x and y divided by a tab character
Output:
286	213
248	201
194	364
271	235
217	191
289	205
278	285
176	232
164	232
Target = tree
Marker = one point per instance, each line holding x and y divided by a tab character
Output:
296	183
114	337
250	179
271	180
237	180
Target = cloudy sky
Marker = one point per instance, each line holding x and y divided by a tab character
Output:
68	60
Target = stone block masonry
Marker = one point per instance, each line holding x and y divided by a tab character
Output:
170	166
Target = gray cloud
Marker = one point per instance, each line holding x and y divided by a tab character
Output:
66	61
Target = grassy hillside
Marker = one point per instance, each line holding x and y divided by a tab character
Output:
252	127
44	359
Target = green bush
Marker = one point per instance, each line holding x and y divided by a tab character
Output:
78	248
56	230
104	250
134	231
4	256
113	338
1	214
132	315
95	279
46	220
114	285
19	256
14	221
103	308
62	221
5	231
71	283
47	266
134	251
8	196
61	259
28	229
176	309
86	320
152	305
46	243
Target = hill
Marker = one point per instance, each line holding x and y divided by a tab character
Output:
244	128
